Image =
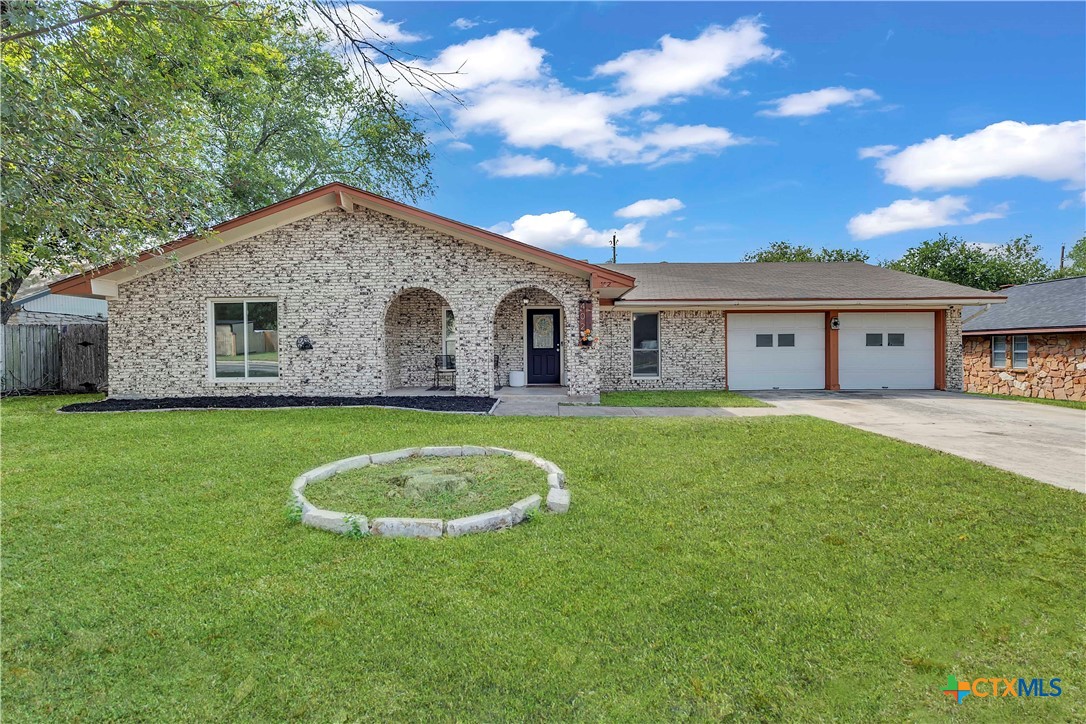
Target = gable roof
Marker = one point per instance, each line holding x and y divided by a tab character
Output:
1057	304
788	282
101	281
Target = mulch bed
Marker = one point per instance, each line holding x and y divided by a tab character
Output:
432	403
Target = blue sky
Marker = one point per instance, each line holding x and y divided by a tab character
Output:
869	125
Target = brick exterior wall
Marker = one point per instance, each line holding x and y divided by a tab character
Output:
413	332
334	276
954	372
1056	367
692	349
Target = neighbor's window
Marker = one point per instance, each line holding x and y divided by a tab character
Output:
246	339
786	340
895	339
1020	353
999	351
646	345
763	340
874	340
448	333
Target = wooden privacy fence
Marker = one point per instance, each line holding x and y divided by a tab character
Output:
45	358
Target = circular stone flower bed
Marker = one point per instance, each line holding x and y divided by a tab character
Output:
429	480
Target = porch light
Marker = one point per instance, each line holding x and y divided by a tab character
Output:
524	301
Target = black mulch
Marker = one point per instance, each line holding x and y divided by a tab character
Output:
433	403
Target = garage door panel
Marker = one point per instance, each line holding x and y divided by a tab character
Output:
799	366
906	362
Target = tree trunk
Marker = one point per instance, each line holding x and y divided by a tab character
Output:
8	290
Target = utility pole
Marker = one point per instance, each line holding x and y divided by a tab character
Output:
614	251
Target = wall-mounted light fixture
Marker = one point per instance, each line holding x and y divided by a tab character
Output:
304	342
835	323
524	301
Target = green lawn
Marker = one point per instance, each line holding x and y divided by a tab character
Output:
1074	404
741	569
430	487
679	398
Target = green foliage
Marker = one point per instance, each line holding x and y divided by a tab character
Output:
151	120
783	251
293	511
953	259
777	568
1075	260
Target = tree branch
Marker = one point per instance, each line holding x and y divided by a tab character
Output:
119	5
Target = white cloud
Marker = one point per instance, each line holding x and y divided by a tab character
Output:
877	151
459	146
649	207
683	67
519	166
1003	150
507	56
1079	200
564	228
906	214
463	24
508	90
362	20
816	102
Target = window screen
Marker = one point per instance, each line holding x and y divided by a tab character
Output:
999	351
646	345
1020	353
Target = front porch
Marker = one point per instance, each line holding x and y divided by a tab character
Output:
434	345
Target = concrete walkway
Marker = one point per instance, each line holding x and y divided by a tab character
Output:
1043	442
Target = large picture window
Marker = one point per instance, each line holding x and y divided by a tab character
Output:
245	339
646	345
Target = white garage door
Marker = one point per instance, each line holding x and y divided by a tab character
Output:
776	351
891	350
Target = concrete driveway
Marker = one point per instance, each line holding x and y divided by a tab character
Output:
1043	442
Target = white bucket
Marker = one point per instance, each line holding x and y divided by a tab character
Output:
516	378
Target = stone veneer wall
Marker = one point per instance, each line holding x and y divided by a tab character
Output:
954	372
1056	367
692	349
509	328
334	276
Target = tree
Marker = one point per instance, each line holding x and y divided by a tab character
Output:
953	259
783	251
127	124
1076	260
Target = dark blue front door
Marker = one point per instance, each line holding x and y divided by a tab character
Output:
544	347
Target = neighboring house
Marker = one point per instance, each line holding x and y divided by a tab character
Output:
341	292
1033	346
38	305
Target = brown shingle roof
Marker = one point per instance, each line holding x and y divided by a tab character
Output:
784	281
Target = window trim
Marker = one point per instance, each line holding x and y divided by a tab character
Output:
991	355
246	380
1014	341
659	347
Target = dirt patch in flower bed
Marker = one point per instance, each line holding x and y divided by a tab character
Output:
432	403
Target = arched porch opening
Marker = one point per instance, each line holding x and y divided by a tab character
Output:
532	335
420	341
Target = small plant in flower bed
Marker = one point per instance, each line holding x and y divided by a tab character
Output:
430	487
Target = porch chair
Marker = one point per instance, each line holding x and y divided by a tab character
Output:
444	366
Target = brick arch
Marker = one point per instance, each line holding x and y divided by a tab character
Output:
509	328
411	335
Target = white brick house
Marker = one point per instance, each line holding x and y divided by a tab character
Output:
341	292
